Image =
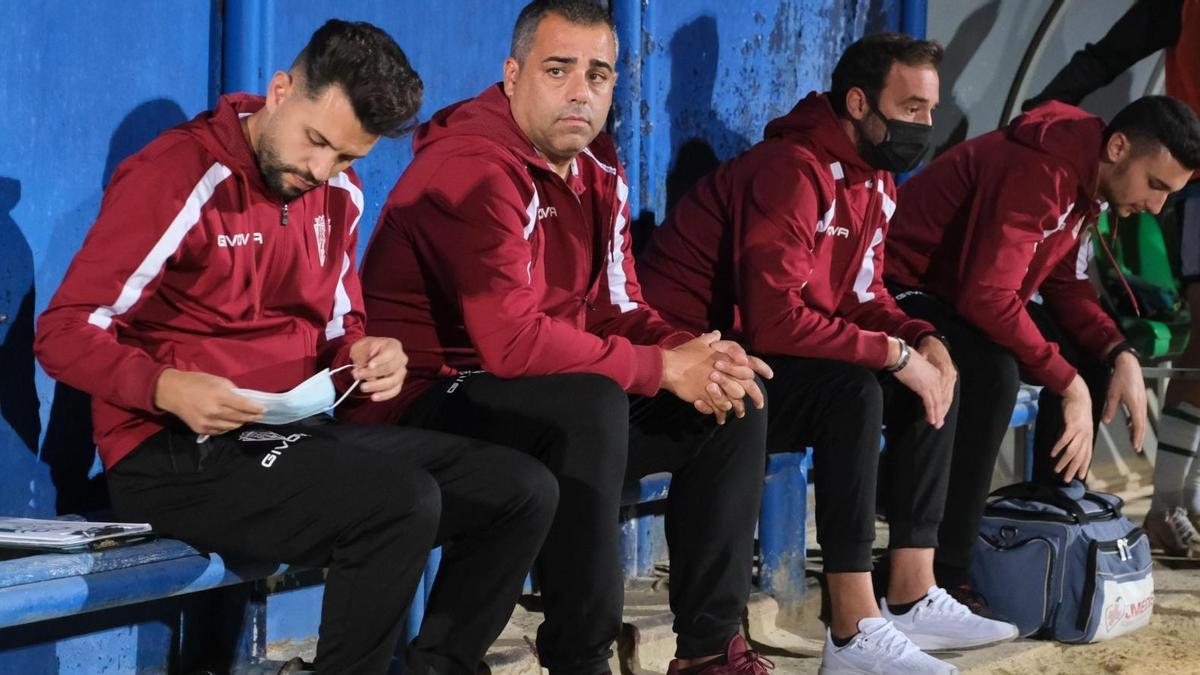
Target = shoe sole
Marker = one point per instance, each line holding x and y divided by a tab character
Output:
963	647
852	671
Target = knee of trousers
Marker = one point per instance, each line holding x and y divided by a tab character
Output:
408	496
530	485
857	397
995	374
743	439
599	399
591	412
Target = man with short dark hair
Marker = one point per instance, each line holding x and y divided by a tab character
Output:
1147	27
204	313
503	261
783	245
1005	217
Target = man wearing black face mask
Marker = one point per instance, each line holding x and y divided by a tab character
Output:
783	246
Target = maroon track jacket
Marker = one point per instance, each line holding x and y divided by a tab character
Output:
484	258
1000	217
190	266
783	245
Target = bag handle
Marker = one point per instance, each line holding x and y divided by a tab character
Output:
1041	493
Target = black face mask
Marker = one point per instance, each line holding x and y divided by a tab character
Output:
902	146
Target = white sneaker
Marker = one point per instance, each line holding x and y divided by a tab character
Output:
879	649
1174	533
938	622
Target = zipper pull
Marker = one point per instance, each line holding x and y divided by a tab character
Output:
1123	549
283	216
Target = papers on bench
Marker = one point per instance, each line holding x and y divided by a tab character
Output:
67	534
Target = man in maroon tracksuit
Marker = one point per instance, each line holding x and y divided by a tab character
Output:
784	245
502	260
221	267
1003	218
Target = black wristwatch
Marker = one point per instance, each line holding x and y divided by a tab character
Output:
1110	359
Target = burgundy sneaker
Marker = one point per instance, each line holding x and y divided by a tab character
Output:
740	659
966	594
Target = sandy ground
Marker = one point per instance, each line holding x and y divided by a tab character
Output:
1170	644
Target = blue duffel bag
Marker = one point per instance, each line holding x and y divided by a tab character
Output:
1062	563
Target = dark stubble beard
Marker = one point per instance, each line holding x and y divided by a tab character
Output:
273	170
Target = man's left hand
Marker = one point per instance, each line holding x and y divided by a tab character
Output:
734	374
1129	389
938	356
381	364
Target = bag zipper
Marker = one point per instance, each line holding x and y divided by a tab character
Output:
1119	546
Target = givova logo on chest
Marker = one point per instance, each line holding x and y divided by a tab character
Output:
240	239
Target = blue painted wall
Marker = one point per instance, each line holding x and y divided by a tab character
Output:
702	78
85	84
82	86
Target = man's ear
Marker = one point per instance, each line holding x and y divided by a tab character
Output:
1117	147
857	105
281	86
511	70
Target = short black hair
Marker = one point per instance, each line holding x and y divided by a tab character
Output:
371	69
1164	122
866	64
581	12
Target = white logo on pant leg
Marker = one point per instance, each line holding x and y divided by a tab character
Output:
260	436
462	377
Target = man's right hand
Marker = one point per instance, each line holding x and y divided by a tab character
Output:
687	371
926	382
1074	447
206	403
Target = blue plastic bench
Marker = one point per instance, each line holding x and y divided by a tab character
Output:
145	607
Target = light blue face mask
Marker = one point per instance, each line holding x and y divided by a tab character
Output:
311	397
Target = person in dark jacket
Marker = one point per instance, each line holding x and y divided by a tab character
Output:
991	243
1148	26
503	262
203	314
783	246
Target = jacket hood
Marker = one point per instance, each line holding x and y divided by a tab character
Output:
814	120
220	132
487	119
1066	133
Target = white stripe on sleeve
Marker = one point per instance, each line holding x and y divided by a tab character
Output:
617	279
167	244
336	327
866	273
